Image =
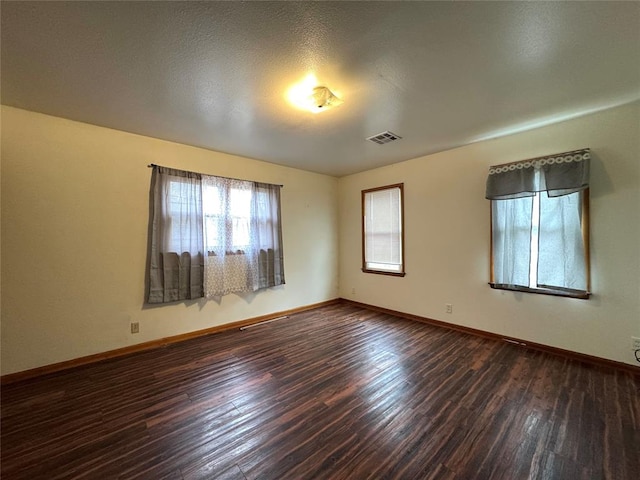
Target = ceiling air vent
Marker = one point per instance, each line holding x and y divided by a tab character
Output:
384	137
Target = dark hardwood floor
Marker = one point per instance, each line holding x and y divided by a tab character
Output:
334	393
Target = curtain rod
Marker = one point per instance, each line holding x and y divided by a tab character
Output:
151	165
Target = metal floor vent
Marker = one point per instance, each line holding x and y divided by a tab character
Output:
384	137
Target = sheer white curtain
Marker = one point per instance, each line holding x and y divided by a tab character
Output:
561	243
511	240
243	236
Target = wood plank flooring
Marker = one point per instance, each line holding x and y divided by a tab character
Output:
334	393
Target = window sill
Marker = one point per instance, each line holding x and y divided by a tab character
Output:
384	272
555	291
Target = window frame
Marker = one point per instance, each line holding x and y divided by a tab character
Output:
555	291
364	269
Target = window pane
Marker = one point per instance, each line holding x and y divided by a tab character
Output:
183	217
240	216
213	231
211	201
240	228
240	202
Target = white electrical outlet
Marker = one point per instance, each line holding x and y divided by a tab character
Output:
353	291
448	308
135	327
635	343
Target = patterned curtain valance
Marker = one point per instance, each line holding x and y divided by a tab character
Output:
559	174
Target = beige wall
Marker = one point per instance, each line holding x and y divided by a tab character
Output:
74	232
74	239
447	239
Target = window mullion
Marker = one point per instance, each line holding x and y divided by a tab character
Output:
534	243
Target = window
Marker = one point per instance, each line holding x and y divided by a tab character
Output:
227	210
210	236
383	230
182	215
540	225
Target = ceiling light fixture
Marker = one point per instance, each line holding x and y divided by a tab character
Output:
322	99
308	95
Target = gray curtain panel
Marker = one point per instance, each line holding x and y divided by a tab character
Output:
560	174
175	257
268	256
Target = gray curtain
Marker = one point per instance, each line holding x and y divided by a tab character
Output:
268	254
560	174
175	256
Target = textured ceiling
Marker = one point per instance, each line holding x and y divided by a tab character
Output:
215	74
